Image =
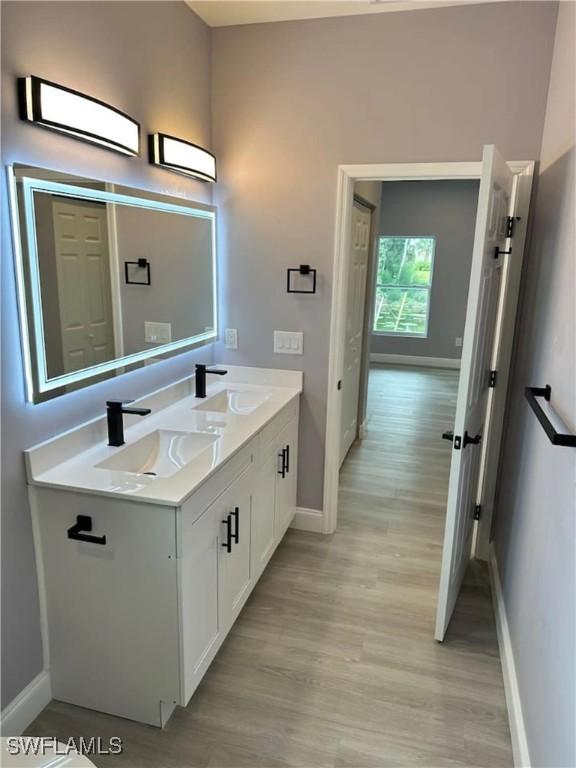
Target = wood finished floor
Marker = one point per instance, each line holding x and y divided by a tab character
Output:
332	661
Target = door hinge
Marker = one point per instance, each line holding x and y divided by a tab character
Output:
339	385
510	223
492	379
477	511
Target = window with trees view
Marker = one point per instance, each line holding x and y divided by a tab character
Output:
403	285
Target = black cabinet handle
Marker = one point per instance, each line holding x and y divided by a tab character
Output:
282	456
287	459
471	440
236	516
448	436
84	523
228	543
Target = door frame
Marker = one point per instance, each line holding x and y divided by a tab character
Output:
347	176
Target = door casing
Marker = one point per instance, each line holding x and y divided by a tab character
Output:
347	176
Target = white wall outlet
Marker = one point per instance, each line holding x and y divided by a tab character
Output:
157	333
231	338
458	341
289	342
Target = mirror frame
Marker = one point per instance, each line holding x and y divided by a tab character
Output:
29	299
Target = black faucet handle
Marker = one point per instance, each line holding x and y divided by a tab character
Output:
117	403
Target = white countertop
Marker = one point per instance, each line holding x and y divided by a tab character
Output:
68	462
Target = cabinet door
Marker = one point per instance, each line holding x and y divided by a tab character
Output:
234	552
200	620
263	512
286	479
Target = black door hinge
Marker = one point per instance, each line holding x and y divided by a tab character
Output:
339	385
510	223
492	379
477	511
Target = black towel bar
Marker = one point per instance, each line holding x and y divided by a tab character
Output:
556	438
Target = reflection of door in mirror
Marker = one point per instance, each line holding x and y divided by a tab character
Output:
84	293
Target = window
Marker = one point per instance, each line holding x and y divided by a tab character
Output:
403	283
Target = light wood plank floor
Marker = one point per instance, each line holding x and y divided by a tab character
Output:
332	661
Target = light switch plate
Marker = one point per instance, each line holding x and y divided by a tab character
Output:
157	333
289	342
231	338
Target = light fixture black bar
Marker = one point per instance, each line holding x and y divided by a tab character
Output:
30	108
157	156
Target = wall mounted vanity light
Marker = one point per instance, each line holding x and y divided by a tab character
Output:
182	157
301	279
61	109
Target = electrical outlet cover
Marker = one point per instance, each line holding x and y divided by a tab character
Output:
288	342
231	338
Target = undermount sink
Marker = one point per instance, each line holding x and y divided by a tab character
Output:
241	402
161	453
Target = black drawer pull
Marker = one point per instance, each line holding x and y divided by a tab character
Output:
236	516
282	456
228	543
84	523
287	459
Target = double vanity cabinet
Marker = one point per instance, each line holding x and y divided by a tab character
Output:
166	546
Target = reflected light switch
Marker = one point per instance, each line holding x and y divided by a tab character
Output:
157	333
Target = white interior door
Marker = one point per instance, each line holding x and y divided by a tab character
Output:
356	296
84	294
469	426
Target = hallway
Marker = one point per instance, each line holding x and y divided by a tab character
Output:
332	661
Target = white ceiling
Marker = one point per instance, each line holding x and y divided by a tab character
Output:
223	13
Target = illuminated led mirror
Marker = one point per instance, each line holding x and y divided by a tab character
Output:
109	278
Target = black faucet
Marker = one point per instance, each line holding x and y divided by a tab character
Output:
201	371
114	412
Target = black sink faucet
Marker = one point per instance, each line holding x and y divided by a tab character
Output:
201	371
114	412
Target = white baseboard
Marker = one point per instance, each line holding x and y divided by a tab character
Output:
308	520
513	703
426	362
26	707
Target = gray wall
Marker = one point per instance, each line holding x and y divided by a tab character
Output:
535	527
153	61
445	210
179	249
293	100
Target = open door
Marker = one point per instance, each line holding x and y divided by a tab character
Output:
491	234
355	302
